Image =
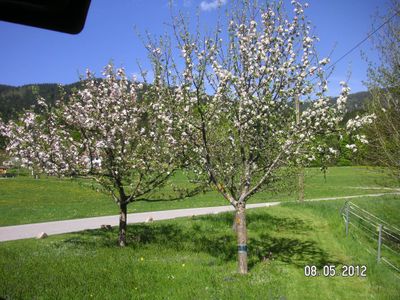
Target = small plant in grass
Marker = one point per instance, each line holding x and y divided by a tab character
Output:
102	132
231	104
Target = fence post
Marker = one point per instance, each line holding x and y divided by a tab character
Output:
347	219
379	242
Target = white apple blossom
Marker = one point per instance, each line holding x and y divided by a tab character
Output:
352	147
103	133
324	61
232	104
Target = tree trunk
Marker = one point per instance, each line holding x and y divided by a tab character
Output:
122	225
241	232
301	185
301	173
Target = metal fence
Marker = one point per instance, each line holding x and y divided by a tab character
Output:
384	238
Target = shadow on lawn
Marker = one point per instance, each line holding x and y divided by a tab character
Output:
213	234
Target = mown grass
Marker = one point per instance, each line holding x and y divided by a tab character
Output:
195	258
27	200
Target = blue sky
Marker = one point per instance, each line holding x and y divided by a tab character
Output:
32	55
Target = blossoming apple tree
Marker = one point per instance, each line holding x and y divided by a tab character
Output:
231	103
102	132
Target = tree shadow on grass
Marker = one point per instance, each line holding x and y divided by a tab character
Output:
289	250
213	234
261	221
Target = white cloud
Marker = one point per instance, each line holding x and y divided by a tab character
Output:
205	5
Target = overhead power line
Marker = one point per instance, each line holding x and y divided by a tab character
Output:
363	41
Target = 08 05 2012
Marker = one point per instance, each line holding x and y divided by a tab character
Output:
333	271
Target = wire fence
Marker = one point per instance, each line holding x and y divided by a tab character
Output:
382	239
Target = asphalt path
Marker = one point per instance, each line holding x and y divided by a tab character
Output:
17	232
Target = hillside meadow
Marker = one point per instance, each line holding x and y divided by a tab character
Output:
26	200
195	258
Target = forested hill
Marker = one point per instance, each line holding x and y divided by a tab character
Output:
14	100
357	102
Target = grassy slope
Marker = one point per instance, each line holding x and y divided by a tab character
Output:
194	258
25	200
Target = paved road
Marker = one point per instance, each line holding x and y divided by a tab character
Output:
9	233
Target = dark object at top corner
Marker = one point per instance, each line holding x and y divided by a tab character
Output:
67	16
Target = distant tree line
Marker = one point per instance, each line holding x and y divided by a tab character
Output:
15	99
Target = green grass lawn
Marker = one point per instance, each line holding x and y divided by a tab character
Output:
195	258
26	200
